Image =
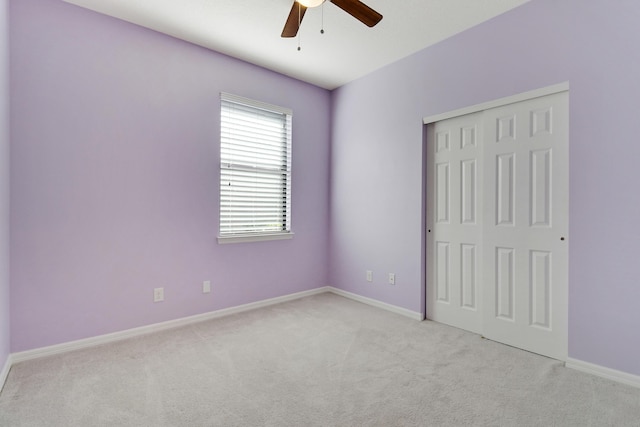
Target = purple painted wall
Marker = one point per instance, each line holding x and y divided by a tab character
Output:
114	170
4	184
377	166
114	178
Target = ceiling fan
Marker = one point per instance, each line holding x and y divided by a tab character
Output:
355	8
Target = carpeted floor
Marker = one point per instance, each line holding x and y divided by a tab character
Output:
318	361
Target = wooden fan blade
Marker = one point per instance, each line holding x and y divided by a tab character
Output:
293	21
360	11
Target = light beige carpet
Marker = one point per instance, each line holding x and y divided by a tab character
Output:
318	361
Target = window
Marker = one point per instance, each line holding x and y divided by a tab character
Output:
255	170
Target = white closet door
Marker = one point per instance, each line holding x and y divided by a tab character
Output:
497	221
454	222
526	225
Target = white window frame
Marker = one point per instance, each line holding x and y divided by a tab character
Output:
243	167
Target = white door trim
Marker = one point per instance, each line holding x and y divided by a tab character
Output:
525	96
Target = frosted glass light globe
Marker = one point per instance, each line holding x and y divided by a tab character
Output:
311	3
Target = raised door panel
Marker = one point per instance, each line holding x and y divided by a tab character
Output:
505	187
468	276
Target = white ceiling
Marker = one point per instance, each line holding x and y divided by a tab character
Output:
250	30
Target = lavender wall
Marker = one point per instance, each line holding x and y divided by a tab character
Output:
4	184
114	178
377	166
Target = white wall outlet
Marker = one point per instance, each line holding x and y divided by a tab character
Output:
369	276
158	294
206	286
392	278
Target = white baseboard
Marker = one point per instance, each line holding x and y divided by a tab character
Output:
5	371
601	371
156	327
379	304
143	330
612	374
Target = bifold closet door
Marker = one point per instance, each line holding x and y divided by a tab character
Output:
454	221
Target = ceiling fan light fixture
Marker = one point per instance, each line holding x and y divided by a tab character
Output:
311	3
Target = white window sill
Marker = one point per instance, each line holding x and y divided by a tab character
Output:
244	238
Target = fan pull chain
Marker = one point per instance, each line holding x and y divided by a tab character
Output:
322	24
299	22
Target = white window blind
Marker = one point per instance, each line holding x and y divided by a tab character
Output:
255	168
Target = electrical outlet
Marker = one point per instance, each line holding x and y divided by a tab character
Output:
369	276
206	286
158	294
392	278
